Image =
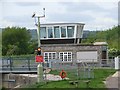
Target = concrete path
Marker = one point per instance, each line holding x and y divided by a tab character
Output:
49	77
113	82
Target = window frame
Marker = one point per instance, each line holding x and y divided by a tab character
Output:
73	28
51	28
45	33
48	56
60	32
64	54
65	27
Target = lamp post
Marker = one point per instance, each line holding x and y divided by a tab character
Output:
39	67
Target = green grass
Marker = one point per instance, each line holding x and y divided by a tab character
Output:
97	82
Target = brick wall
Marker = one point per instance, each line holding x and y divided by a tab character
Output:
74	48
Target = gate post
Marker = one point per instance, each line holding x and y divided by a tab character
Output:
117	63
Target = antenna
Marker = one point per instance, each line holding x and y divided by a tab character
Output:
35	16
38	16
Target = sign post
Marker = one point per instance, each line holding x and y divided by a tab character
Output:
40	72
39	58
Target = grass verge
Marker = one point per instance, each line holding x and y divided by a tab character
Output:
97	82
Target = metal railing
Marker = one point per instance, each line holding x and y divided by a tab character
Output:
27	63
18	64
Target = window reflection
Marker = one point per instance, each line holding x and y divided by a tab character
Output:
63	32
56	32
50	32
70	31
43	32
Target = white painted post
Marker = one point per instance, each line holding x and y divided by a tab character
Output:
50	62
117	63
40	73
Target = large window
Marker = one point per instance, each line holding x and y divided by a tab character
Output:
63	31
56	32
50	32
43	33
49	56
65	56
70	31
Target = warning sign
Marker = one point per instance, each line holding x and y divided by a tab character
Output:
39	58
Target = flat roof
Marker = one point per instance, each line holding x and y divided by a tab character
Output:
62	23
81	44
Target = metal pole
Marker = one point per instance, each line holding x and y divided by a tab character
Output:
39	67
38	32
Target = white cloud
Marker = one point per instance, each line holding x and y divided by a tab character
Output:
6	23
60	0
94	13
108	5
101	23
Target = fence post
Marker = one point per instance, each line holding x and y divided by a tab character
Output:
117	63
29	64
11	62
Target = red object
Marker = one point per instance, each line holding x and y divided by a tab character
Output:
63	74
39	58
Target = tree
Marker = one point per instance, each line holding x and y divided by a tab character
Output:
111	36
33	46
15	41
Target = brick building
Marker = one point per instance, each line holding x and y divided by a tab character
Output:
62	41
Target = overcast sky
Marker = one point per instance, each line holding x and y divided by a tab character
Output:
95	14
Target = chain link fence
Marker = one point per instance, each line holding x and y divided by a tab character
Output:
74	70
28	63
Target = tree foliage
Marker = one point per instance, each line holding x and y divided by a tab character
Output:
111	36
32	46
15	41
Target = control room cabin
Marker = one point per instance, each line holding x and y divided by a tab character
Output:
61	33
